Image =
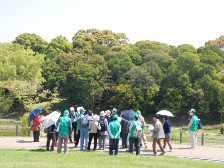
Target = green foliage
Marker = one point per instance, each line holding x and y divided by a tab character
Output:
25	125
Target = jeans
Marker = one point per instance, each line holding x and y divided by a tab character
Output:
136	142
50	136
60	141
91	136
102	142
84	133
114	144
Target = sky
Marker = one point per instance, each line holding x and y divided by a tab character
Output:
173	22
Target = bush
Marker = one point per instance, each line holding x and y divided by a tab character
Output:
25	125
222	128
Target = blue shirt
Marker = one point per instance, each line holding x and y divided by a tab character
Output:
167	127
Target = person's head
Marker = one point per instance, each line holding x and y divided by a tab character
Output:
135	116
72	109
82	110
139	112
90	113
192	112
115	117
114	111
102	114
166	118
108	112
155	117
66	112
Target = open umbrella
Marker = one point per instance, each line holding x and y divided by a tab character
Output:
128	114
165	113
34	113
51	119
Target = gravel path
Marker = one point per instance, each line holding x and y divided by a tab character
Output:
212	153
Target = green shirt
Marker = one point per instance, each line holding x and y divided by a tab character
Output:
194	126
114	129
133	127
65	125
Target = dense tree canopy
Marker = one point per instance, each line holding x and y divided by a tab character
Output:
100	69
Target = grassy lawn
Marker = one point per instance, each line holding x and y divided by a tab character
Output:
41	158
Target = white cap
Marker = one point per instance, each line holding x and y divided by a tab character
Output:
72	109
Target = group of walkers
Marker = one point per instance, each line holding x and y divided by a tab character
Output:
84	126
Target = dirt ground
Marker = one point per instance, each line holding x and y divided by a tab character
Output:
212	153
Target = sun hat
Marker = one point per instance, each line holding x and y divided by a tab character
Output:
102	113
193	111
82	110
72	109
114	110
138	111
66	112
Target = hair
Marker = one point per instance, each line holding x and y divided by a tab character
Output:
156	116
166	117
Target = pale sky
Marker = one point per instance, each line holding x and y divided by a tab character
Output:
173	22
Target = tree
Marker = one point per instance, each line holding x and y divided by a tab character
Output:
32	41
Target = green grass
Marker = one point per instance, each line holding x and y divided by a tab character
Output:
41	158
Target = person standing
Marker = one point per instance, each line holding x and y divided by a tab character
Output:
93	127
37	123
78	114
142	120
157	135
72	115
124	131
65	127
193	128
167	131
51	136
133	139
84	130
103	131
114	130
113	112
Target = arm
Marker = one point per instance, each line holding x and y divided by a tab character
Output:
118	132
156	128
190	123
109	132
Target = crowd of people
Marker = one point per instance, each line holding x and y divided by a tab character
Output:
81	127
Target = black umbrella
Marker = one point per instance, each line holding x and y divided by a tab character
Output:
128	114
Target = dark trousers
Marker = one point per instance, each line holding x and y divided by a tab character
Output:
124	137
74	127
91	136
136	142
50	136
113	145
56	136
77	138
36	135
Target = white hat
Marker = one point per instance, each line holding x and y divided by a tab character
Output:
72	109
102	113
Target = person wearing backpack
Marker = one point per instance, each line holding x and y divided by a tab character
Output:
65	127
103	131
73	116
114	130
142	120
135	130
193	128
84	128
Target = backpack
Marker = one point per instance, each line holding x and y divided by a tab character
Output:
103	124
199	124
84	122
138	130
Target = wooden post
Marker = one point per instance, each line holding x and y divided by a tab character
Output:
180	136
17	130
202	138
